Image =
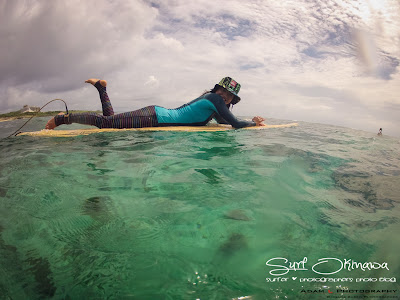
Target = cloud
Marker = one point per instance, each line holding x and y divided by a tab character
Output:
49	42
333	61
152	82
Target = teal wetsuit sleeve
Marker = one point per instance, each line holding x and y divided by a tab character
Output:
225	113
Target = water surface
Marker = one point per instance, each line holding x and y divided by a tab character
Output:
195	215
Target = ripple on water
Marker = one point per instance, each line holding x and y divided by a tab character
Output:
195	215
123	235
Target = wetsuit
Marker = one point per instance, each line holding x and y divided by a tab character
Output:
195	113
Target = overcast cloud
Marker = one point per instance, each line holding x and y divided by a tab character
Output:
332	61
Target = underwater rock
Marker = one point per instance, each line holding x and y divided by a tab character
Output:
360	204
213	176
93	204
324	219
278	150
3	192
50	198
40	268
6	248
237	214
95	207
8	254
146	176
100	171
380	224
235	242
376	191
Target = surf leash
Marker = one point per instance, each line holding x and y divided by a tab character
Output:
18	130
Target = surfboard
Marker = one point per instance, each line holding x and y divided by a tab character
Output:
77	132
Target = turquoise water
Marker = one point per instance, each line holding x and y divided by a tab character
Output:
178	215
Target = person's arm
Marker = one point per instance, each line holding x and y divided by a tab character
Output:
219	119
225	113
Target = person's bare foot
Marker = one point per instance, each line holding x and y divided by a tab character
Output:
51	124
94	80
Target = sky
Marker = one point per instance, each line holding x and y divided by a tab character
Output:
333	61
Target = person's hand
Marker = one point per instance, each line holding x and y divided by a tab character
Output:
259	121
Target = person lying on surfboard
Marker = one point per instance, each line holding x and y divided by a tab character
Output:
213	104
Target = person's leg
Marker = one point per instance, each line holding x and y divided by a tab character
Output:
100	85
92	119
144	117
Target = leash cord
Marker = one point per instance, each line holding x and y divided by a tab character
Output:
17	131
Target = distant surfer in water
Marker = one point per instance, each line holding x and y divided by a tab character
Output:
212	104
380	131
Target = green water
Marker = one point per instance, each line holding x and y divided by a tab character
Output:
175	215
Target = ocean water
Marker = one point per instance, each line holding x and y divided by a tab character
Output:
200	215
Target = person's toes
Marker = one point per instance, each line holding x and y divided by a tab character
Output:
94	80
